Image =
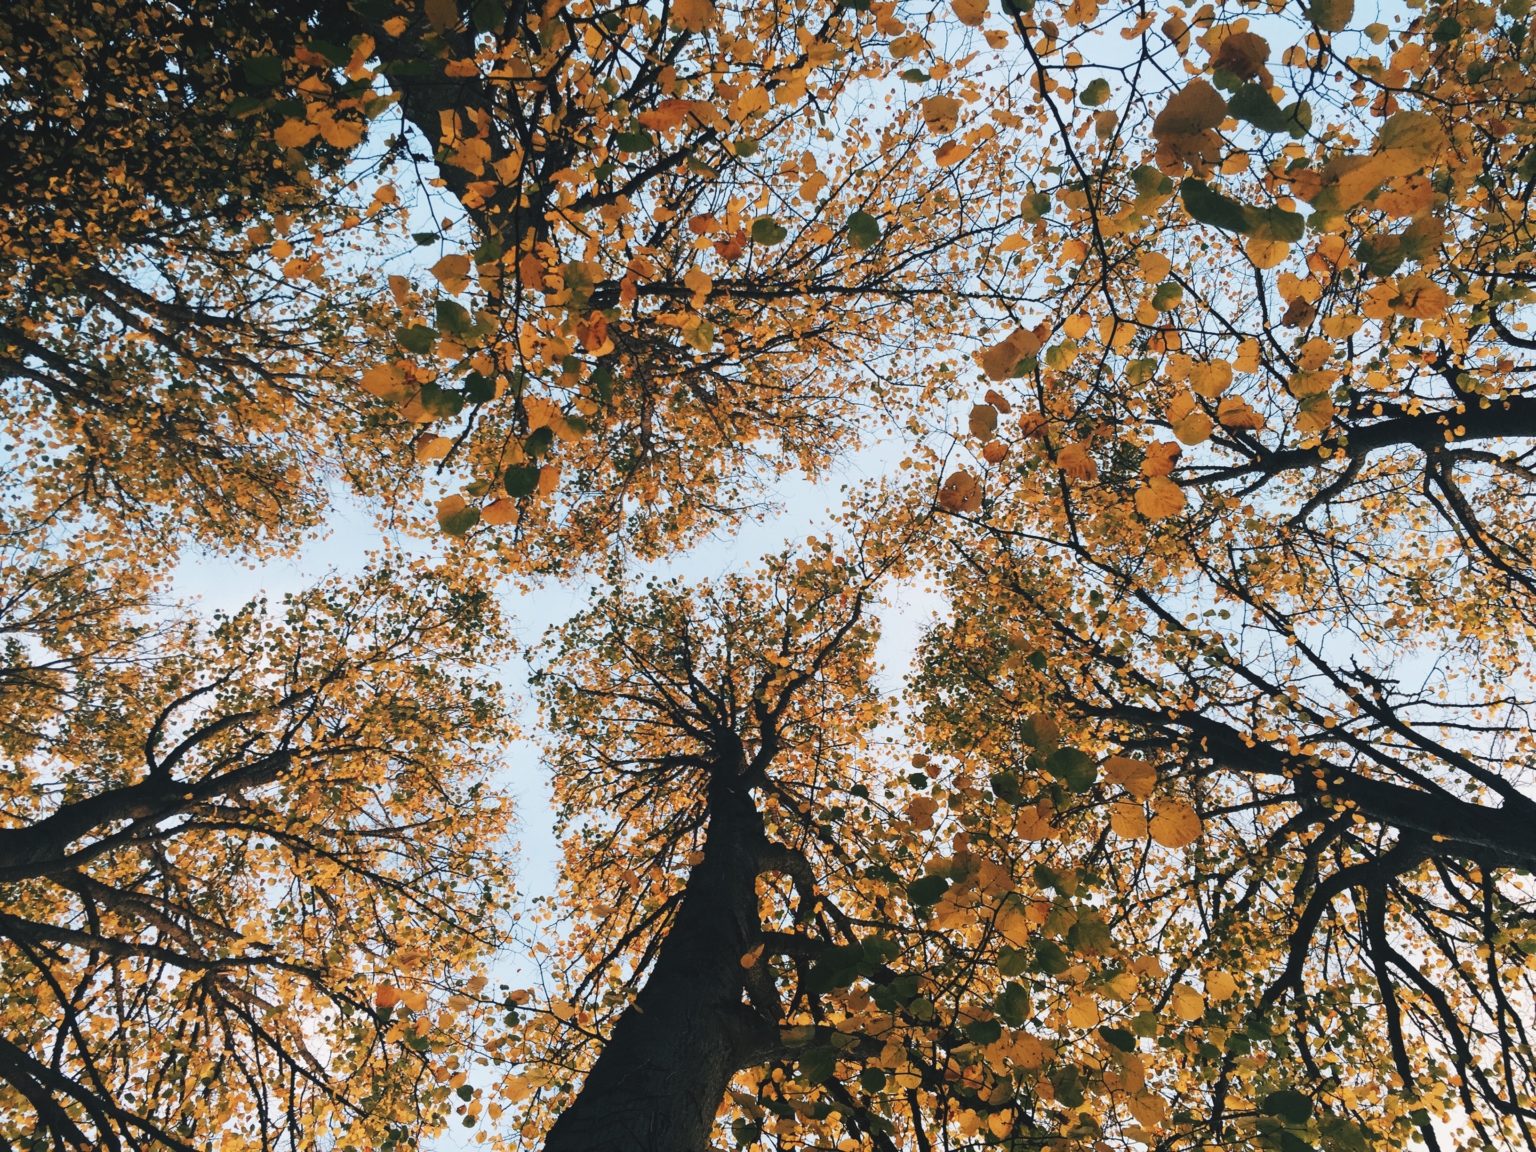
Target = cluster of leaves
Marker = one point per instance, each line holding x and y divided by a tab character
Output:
1217	830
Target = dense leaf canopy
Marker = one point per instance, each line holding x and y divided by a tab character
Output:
1193	348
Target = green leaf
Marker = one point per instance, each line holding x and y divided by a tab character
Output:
863	231
1331	15
817	1064
1276	224
871	1079
460	522
424	238
744	146
1253	103
1049	958
1120	1038
1013	1003
767	230
927	889
1168	295
263	71
1095	94
638	140
488	16
539	441
1291	1106
1073	768
453	317
983	1031
441	403
521	480
1209	206
1012	961
479	388
418	338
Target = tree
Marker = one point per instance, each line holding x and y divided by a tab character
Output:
247	869
1211	820
1256	537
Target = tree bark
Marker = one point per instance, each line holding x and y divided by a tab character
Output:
658	1082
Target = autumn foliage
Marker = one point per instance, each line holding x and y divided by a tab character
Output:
1190	350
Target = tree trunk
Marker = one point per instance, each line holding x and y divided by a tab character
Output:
658	1082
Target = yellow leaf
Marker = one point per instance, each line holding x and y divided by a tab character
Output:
1187	1004
560	1010
960	493
1220	986
1189	423
1075	462
500	511
1175	824
750	957
698	281
982	421
950	153
452	272
1001	360
1161	458
941	114
430	447
341	133
693	15
1159	498
1235	412
1193	109
387	382
1154	267
1128	821
1419	297
969	12
1136	776
294	133
1210	379
1076	326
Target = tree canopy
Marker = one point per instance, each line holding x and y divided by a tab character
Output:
1192	347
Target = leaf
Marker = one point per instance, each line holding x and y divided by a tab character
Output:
960	493
1187	1004
1253	104
941	114
1175	824
1289	1105
442	14
1136	776
693	15
972	13
1331	15
521	480
1159	498
1193	109
452	272
1208	206
982	421
927	889
294	133
1236	413
1096	93
767	230
1189	423
456	516
863	231
1073	768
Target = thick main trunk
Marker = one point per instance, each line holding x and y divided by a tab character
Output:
659	1080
